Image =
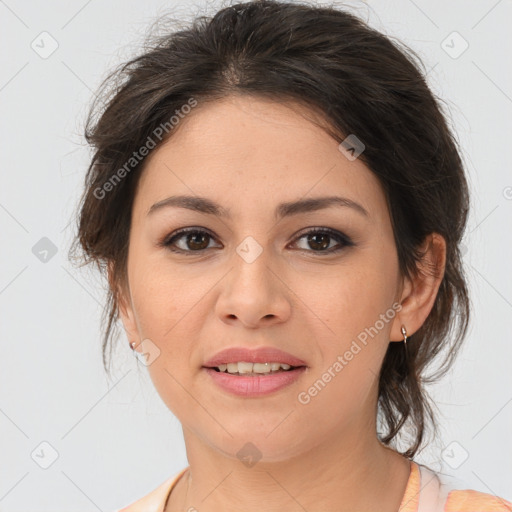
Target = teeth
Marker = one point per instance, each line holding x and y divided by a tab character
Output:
243	367
232	367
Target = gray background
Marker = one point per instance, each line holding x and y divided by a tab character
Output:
114	440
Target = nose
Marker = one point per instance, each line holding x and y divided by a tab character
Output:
254	294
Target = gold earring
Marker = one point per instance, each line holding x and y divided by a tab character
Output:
404	333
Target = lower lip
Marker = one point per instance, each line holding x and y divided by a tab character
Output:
255	386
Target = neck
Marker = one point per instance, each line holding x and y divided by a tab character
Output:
342	474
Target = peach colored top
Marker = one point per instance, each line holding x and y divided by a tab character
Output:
457	501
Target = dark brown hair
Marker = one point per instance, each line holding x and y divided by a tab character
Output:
363	83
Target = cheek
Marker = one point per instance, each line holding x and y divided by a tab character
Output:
350	298
355	306
166	303
351	341
163	296
161	311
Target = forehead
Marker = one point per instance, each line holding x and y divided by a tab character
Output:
251	153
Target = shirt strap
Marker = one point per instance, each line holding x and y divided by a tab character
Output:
433	492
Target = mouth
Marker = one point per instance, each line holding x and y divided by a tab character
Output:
254	372
247	369
252	382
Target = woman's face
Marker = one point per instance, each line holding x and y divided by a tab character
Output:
255	279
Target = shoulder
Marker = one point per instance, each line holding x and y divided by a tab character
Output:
457	499
475	501
155	500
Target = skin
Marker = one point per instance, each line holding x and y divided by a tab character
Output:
250	154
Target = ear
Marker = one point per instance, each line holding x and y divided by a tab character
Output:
419	293
125	306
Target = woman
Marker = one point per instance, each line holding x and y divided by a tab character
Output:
278	203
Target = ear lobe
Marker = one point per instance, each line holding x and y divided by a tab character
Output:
420	291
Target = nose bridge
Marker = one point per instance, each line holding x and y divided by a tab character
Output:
252	291
251	263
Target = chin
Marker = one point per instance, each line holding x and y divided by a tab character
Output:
251	447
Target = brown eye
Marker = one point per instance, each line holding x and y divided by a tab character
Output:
319	240
196	241
188	240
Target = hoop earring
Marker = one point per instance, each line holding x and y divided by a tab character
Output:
404	334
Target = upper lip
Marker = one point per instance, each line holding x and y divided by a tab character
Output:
257	355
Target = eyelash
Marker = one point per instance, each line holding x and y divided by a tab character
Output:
341	238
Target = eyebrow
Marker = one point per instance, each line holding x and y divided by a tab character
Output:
207	206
